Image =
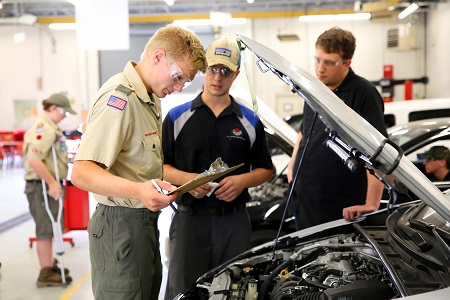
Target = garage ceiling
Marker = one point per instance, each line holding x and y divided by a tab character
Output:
64	8
200	8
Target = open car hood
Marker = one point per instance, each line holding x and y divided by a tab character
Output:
353	133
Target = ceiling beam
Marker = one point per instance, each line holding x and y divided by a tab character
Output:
167	18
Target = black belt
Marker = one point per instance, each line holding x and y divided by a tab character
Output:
40	181
215	212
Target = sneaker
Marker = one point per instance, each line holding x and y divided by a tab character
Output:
48	277
57	269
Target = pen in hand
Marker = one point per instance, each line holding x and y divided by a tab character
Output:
164	192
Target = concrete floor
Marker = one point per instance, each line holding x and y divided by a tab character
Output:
19	263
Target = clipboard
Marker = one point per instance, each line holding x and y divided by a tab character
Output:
195	183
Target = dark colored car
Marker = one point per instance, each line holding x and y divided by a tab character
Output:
401	251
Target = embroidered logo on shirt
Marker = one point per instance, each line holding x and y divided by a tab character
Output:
117	102
236	133
150	133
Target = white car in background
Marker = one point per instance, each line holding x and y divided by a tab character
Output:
402	112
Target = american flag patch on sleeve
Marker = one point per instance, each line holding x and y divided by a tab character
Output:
117	102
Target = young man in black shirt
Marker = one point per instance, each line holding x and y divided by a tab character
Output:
211	228
325	189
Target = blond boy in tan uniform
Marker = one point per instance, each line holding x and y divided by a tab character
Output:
120	153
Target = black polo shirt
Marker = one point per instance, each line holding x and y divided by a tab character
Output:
193	138
446	178
325	186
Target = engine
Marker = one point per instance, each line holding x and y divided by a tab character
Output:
341	268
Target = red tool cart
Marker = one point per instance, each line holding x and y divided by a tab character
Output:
76	208
76	203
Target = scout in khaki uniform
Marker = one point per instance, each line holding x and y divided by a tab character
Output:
120	153
39	164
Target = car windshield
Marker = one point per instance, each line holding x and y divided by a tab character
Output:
430	216
404	135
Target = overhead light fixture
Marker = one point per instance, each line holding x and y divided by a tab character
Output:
1	5
62	26
250	1
407	11
169	2
208	22
336	17
357	6
27	19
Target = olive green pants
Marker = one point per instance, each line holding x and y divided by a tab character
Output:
124	251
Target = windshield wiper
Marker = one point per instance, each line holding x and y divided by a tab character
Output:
414	236
437	234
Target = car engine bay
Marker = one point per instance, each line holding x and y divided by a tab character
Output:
341	267
366	261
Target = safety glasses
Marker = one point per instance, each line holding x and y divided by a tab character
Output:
177	74
327	63
224	71
62	111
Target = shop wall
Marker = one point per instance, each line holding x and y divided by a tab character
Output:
437	51
370	56
36	68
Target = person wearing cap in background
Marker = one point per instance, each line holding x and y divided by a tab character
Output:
38	165
120	161
436	163
212	228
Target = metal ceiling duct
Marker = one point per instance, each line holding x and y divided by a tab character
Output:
25	19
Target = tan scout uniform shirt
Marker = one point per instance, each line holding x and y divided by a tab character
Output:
123	133
38	141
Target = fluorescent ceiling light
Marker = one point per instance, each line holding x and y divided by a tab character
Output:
335	17
27	19
62	26
208	22
407	11
169	2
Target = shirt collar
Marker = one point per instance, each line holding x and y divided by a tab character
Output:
50	121
136	82
234	106
345	85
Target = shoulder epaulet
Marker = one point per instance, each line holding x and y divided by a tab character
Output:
124	89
